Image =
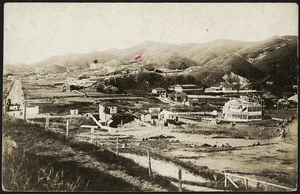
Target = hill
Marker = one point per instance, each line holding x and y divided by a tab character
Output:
179	62
275	58
202	53
214	70
281	63
74	62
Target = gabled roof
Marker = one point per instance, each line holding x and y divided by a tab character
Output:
293	98
107	104
159	89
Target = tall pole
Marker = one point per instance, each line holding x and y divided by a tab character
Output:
180	178
47	121
149	161
225	180
117	148
25	111
67	129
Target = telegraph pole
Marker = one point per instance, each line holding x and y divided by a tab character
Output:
67	129
149	162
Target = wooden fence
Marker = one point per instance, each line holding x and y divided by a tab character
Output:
247	179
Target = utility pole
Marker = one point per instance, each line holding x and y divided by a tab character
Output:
67	129
149	162
25	111
225	180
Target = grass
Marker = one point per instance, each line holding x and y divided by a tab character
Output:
45	166
23	173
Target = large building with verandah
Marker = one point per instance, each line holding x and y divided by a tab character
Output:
242	110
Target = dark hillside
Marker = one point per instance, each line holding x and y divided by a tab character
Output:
213	71
281	64
177	62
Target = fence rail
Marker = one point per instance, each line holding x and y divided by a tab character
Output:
246	179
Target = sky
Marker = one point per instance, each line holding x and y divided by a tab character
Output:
36	31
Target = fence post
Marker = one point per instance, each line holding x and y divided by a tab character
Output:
180	178
47	121
149	161
67	129
225	180
92	134
246	183
117	148
25	111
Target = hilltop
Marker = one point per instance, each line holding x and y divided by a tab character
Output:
274	58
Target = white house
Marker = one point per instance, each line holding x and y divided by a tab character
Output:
166	115
159	91
241	110
95	65
106	111
146	117
74	111
32	110
154	110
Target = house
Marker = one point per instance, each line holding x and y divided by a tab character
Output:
242	110
192	102
293	101
16	113
172	87
95	65
74	111
222	87
293	98
180	116
226	88
106	111
166	115
154	110
159	92
177	96
270	100
229	87
283	104
32	110
188	89
146	117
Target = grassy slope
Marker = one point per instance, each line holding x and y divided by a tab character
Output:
98	169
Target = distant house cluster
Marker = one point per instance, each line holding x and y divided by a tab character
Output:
178	92
227	88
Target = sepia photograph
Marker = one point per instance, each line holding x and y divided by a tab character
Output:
150	97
